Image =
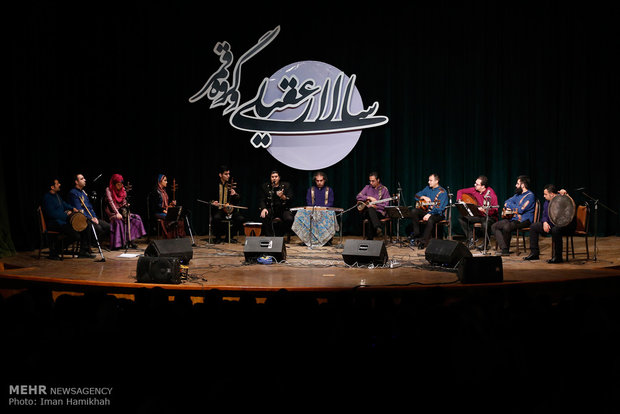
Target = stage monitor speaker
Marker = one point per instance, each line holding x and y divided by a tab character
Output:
180	248
481	269
256	247
445	253
159	270
364	252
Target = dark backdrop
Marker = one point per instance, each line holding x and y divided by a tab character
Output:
494	88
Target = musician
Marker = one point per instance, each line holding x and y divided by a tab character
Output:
373	191
484	196
434	199
546	226
117	210
57	212
78	198
226	194
160	203
274	206
523	203
320	194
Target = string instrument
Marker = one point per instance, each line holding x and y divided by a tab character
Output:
175	186
231	184
469	199
361	205
509	213
425	205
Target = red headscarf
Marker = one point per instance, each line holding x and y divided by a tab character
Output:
117	195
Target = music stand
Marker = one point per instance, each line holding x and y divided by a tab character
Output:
471	210
398	213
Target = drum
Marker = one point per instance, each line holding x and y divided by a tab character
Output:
78	221
562	210
252	229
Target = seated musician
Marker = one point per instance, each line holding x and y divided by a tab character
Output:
319	194
432	202
122	233
78	198
226	195
57	212
483	196
372	192
274	206
522	204
546	226
160	203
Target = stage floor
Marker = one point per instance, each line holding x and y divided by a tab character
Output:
223	267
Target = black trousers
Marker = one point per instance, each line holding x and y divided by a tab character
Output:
220	228
277	223
503	231
557	233
467	224
423	230
374	221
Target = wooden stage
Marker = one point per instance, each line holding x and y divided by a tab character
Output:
319	269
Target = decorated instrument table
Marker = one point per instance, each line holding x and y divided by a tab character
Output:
315	226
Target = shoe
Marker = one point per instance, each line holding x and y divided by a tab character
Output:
503	252
217	240
233	240
379	232
421	245
54	257
85	255
555	260
532	256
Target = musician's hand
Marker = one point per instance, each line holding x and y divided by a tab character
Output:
173	203
94	220
264	213
562	192
280	194
371	199
69	212
546	227
427	199
426	217
233	192
118	216
481	209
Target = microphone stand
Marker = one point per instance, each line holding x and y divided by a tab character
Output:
596	203
450	206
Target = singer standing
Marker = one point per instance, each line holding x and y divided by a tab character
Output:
274	206
485	196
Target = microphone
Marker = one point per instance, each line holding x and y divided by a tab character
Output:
487	194
579	189
98	177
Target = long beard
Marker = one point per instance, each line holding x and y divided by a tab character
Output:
518	191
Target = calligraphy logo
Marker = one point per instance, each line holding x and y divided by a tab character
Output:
308	115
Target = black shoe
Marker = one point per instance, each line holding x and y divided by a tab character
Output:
233	240
85	255
217	240
54	257
503	252
421	245
532	256
379	232
555	260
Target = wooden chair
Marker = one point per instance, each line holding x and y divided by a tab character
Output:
582	228
385	222
45	235
527	229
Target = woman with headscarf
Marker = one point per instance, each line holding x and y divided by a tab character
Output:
160	203
125	227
